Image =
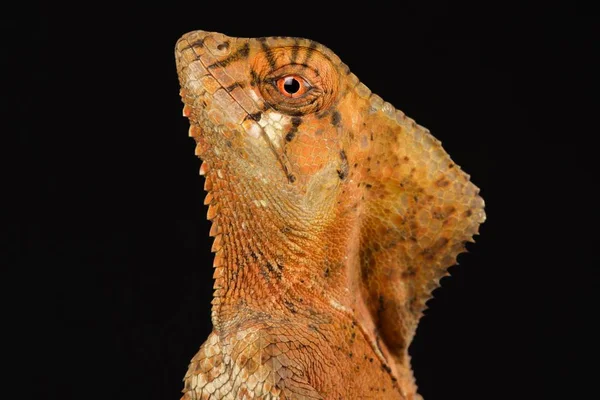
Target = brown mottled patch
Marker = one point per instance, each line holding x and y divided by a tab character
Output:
442	182
436	248
409	272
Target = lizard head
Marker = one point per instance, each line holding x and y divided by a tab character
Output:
266	104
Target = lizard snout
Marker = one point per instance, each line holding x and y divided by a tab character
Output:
209	47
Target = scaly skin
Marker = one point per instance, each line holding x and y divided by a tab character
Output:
334	217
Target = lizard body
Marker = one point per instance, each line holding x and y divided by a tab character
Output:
334	217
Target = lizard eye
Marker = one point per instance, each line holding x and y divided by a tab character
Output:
293	86
296	89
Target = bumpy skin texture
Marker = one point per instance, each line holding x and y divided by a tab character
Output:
334	217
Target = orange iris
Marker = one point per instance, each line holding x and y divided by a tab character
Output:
292	86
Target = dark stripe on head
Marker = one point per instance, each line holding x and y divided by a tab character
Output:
231	87
296	121
310	50
343	171
269	55
336	118
254	79
256	116
293	113
323	114
343	156
295	49
237	55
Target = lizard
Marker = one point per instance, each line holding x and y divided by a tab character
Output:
334	217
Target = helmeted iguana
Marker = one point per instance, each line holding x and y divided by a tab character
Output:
334	217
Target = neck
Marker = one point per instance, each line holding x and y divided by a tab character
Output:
273	252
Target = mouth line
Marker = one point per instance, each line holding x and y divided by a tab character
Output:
280	155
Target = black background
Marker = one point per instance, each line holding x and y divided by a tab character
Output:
108	279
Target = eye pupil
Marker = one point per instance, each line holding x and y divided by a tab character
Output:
291	85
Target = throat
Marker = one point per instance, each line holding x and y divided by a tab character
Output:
267	253
280	249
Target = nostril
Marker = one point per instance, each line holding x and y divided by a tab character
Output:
218	44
